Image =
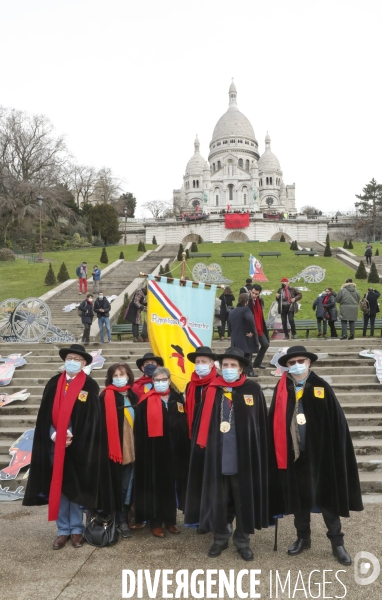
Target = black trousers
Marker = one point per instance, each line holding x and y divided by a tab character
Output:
333	332
86	333
222	328
368	258
366	323
332	522
127	471
351	327
287	315
135	329
264	345
231	492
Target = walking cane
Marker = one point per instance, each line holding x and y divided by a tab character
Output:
276	531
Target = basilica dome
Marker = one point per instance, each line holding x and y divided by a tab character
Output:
233	122
196	164
268	161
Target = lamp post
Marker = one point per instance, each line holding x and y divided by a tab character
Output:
40	257
125	212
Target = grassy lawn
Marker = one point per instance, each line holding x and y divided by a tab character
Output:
358	247
20	279
286	265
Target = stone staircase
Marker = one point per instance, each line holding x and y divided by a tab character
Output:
318	248
352	378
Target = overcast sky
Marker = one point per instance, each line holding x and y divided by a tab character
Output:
131	83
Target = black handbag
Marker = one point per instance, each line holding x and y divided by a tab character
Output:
100	530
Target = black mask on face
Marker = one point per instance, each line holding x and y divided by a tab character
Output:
149	369
283	285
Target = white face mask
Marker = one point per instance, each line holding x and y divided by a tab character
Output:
202	369
297	369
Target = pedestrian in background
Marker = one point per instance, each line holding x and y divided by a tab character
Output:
102	309
86	308
287	298
348	298
96	279
247	287
134	310
227	298
256	305
82	274
321	322
368	253
372	298
330	311
243	331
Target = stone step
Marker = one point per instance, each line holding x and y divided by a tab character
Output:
370	463
26	421
371	483
367	407
367	447
366	432
369	419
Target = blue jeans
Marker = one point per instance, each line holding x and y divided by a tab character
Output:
69	517
101	322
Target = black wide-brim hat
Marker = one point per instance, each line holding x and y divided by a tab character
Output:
296	351
76	349
149	356
201	351
236	353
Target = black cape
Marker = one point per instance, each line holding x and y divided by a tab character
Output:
110	488
326	475
205	477
161	463
82	465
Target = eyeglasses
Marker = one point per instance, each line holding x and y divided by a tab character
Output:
164	380
300	361
74	358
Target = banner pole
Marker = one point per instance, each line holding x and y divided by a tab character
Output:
169	279
183	265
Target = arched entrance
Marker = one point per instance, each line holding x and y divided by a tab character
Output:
237	236
276	237
192	237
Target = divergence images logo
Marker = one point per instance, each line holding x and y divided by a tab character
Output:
366	568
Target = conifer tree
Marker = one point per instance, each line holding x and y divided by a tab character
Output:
282	238
50	278
327	251
63	274
194	247
376	252
373	275
180	252
346	245
361	271
104	258
121	255
350	245
154	241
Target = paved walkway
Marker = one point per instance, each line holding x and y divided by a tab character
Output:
30	570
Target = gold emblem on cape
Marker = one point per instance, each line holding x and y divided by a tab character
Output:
319	392
225	426
301	420
82	396
180	407
248	400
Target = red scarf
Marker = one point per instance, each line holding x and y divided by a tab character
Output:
287	294
196	382
279	423
325	300
113	440
154	412
208	405
139	385
62	410
258	314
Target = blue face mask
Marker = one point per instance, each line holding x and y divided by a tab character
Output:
230	375
161	386
149	369
119	381
73	366
202	370
297	369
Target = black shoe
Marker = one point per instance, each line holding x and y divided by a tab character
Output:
251	374
286	337
344	337
299	546
294	337
342	556
217	549
201	531
351	337
124	530
245	553
259	367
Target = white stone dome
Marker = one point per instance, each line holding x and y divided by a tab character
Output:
196	164
233	122
268	161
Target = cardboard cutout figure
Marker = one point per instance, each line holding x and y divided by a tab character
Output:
7	496
97	363
256	269
274	322
377	355
8	398
21	452
275	361
8	368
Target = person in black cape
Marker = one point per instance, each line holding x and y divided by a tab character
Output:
312	465
162	450
67	436
229	458
118	403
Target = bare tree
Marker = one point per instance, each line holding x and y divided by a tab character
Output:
32	163
156	207
108	187
82	181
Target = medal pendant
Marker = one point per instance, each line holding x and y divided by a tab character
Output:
225	426
301	420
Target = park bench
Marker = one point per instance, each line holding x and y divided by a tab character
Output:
305	253
207	242
200	255
252	241
232	254
270	254
123	329
308	325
